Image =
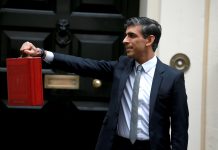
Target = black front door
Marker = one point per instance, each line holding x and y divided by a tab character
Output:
86	28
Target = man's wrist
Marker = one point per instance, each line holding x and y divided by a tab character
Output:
47	56
43	53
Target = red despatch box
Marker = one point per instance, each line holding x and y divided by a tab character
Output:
24	80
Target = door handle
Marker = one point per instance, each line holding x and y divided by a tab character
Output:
96	83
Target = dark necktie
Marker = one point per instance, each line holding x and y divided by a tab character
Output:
134	111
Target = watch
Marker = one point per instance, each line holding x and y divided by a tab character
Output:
42	55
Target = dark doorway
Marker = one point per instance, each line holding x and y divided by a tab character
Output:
87	28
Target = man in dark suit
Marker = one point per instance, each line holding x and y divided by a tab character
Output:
159	95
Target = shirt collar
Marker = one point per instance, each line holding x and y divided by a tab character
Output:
148	65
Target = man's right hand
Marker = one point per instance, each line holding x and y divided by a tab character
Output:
28	49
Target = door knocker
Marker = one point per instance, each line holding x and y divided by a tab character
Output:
63	34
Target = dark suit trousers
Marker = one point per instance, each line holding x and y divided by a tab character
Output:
121	143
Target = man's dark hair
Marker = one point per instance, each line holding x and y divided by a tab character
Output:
149	27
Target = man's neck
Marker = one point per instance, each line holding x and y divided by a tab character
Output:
145	58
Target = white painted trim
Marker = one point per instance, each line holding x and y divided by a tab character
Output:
205	76
150	8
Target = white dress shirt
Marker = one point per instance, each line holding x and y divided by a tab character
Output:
147	75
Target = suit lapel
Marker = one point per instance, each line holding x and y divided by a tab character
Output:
155	85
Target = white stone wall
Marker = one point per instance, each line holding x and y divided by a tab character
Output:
190	27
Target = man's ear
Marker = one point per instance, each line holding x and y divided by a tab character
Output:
150	40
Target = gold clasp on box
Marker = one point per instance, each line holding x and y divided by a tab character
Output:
61	81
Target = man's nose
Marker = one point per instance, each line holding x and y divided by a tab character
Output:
125	40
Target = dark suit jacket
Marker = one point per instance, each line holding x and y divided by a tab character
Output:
168	100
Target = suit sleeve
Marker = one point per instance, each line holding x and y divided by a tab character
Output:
84	67
179	115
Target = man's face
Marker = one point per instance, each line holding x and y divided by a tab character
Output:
134	42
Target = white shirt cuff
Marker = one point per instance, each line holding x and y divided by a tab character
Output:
49	57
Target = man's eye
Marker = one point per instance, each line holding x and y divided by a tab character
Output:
131	35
